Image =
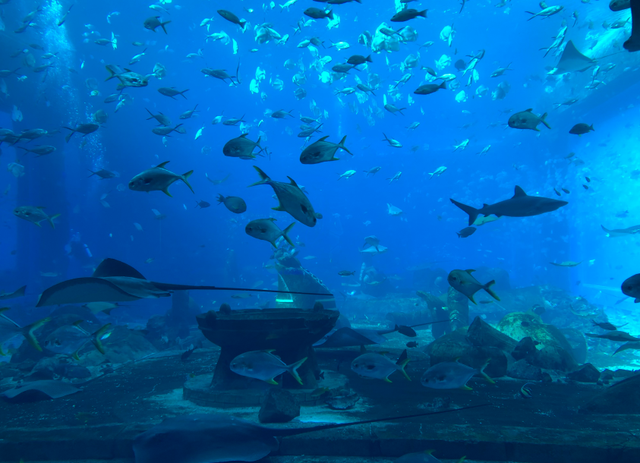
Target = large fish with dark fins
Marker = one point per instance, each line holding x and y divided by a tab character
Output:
520	205
292	199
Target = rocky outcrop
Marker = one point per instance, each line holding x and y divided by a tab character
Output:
278	406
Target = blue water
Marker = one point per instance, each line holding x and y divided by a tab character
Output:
210	246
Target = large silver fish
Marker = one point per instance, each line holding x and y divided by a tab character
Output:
291	198
158	179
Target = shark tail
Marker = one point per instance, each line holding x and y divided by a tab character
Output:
472	211
487	288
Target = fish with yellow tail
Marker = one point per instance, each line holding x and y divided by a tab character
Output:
465	283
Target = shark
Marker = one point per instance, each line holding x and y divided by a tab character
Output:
520	205
115	281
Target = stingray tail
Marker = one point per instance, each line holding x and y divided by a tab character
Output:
293	369
28	330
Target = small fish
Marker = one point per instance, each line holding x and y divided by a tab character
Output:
202	204
346	273
264	365
235	204
525	391
406	330
581	129
607	326
186	354
466	232
412	344
376	366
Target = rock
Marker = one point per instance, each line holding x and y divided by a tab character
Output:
58	366
554	358
525	348
523	370
481	334
578	342
278	406
455	345
586	374
620	399
553	350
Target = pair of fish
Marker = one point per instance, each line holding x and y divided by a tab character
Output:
70	339
445	375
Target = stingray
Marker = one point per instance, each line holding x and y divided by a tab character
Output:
352	337
39	390
621	231
115	281
572	60
218	438
17	293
